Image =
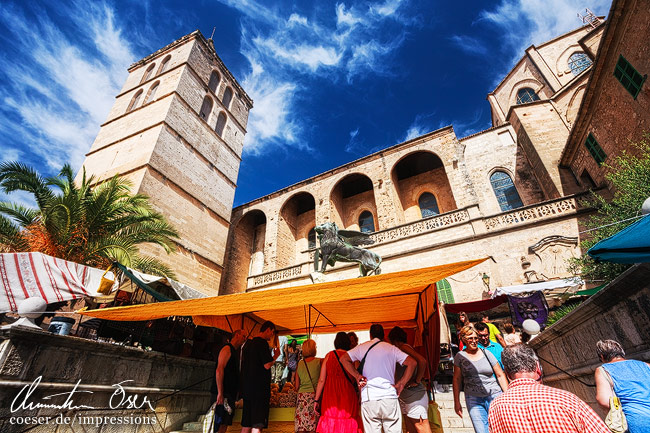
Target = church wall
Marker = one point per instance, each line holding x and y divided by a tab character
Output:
202	63
543	135
613	116
434	182
557	52
179	55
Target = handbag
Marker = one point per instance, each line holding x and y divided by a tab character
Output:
208	421
615	419
433	414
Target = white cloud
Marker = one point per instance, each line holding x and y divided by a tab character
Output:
341	43
354	143
61	117
526	22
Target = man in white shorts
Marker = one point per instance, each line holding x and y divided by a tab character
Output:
380	408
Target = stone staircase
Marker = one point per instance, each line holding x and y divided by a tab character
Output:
451	423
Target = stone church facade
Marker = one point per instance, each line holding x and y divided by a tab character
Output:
512	192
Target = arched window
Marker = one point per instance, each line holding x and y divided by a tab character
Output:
134	101
221	124
428	205
505	190
227	97
214	81
578	62
526	94
152	93
366	222
147	73
164	64
206	108
311	238
445	295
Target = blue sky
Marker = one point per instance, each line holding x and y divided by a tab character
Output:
331	81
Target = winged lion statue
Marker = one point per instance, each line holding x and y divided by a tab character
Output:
343	246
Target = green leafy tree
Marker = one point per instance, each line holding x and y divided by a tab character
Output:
93	225
629	175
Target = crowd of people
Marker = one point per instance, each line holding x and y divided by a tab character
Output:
372	387
501	380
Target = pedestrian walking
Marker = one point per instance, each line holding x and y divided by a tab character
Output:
495	334
511	336
339	401
482	377
227	381
484	342
530	407
307	375
627	379
413	401
376	377
256	377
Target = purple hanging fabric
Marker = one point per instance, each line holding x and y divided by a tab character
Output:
531	307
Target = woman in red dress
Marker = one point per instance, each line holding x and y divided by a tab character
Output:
339	408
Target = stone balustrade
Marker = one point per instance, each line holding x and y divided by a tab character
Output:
531	213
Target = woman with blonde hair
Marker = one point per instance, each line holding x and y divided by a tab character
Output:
307	374
482	377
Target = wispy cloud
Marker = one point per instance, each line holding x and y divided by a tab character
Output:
354	143
467	126
286	50
420	126
60	117
533	22
469	44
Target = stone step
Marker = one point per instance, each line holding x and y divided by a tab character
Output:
193	426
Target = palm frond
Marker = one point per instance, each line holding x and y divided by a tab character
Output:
23	215
15	176
153	266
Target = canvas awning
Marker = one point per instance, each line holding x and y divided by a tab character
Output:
32	274
404	298
566	283
630	245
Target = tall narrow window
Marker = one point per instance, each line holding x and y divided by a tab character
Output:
366	222
505	190
221	124
445	295
311	238
214	81
595	150
147	73
134	101
227	97
164	65
526	94
629	77
578	62
152	93
206	108
428	205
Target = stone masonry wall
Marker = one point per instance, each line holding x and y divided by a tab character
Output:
61	361
620	311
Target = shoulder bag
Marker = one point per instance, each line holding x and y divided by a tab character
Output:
491	365
615	419
363	360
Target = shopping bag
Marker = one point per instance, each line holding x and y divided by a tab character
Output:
433	413
208	421
106	284
615	419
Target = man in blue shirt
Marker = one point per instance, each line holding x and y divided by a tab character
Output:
484	341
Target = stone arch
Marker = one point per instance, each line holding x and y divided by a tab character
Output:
574	104
246	253
528	82
418	172
349	196
297	217
562	62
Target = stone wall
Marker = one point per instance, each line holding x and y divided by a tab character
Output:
620	311
62	361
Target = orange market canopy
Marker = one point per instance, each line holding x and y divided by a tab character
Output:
406	298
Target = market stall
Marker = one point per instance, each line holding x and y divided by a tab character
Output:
407	299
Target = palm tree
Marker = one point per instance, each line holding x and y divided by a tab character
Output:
93	225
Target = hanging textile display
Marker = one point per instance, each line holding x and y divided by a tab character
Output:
530	307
